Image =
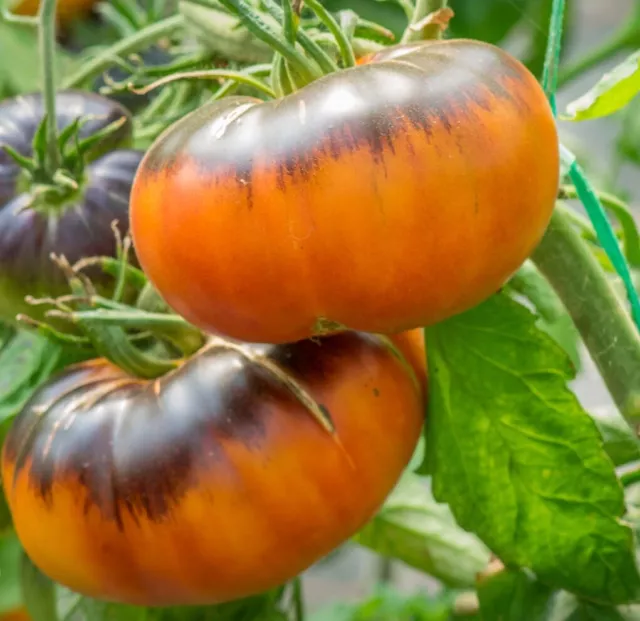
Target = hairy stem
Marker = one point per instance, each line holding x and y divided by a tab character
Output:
431	31
605	326
47	35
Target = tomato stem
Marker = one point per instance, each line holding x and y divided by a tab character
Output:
346	50
47	42
599	315
208	74
306	70
423	9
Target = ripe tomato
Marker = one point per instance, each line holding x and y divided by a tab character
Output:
78	226
380	198
222	479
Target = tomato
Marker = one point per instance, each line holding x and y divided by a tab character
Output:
220	480
78	226
379	198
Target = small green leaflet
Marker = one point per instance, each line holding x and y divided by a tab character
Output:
612	93
414	528
514	595
518	460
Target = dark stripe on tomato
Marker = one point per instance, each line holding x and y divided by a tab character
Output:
139	448
365	107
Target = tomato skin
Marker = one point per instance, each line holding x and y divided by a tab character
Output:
78	228
214	482
380	198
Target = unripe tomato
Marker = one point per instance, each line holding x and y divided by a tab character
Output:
220	480
79	226
380	198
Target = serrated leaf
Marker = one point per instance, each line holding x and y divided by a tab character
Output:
517	458
612	93
414	528
514	595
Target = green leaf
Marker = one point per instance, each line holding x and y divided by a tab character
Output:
628	139
387	604
620	442
517	458
10	594
38	592
514	595
26	360
614	91
414	528
488	20
567	607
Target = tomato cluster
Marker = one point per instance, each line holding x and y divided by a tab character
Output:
311	238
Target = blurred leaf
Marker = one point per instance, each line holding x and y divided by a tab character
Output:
564	332
10	552
567	607
387	604
628	140
26	360
620	442
488	20
517	458
264	607
388	13
414	528
38	591
614	91
514	595
21	42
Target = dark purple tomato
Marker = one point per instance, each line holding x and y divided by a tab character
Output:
77	226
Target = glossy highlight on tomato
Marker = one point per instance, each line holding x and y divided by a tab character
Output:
380	198
220	480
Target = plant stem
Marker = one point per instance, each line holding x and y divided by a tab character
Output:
422	9
629	474
606	328
47	36
141	39
344	45
617	43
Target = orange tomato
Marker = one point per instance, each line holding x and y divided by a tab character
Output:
380	198
220	480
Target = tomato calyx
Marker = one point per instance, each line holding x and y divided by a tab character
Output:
50	186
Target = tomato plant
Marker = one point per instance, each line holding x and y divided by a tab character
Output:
368	263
